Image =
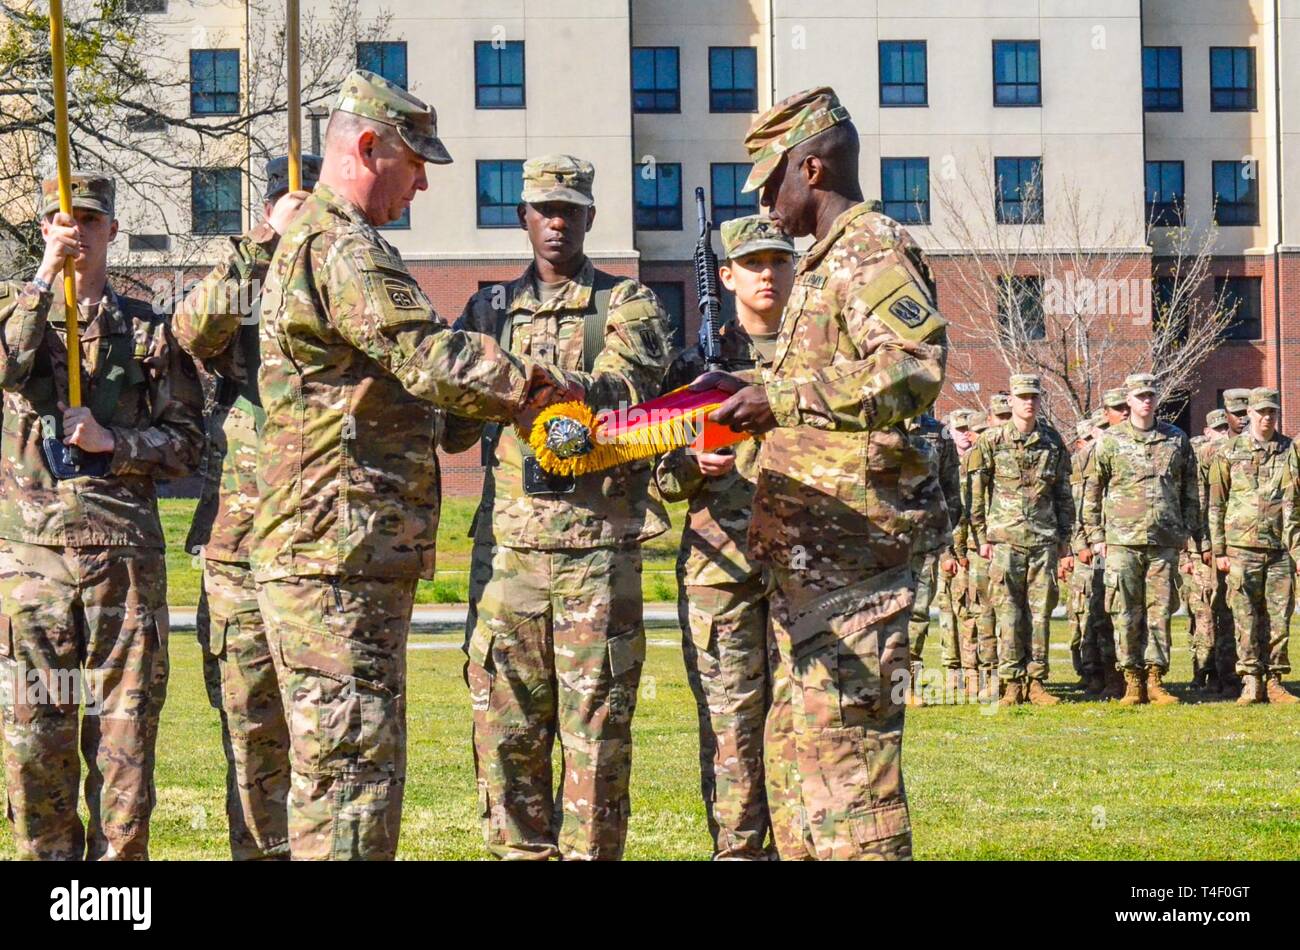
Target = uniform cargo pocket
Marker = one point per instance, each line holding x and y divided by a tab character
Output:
1110	581
700	623
6	637
338	658
626	651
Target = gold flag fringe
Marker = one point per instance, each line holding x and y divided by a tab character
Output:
643	442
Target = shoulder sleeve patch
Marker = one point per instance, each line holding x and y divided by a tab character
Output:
894	298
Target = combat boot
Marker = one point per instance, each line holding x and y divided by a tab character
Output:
1250	691
914	697
1013	694
1277	693
1156	693
1039	696
953	685
1115	687
990	691
1134	689
971	679
1093	683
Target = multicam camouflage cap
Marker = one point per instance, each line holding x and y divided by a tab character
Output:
754	232
1114	399
1262	397
1216	419
1083	428
979	421
959	419
1236	401
277	174
791	121
373	97
1099	420
1025	384
93	191
1139	384
558	178
1000	404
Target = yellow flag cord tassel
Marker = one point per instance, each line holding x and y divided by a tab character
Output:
642	442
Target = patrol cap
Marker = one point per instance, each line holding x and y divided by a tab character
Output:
1025	384
1114	399
1099	420
1236	400
1264	398
558	178
373	97
1139	384
1083	428
959	419
999	404
1216	419
754	232
791	121
277	174
979	421
93	191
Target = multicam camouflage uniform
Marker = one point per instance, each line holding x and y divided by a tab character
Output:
1092	638
950	599
83	583
722	598
1140	500
935	540
1205	591
836	510
354	362
217	325
977	640
1253	521
555	634
1021	506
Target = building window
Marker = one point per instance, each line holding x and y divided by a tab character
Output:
1018	184
658	191
1015	73
146	6
1162	78
216	201
401	224
387	59
672	297
152	243
214	82
733	79
1236	193
146	123
1164	193
500	183
499	74
1232	79
905	189
1240	296
656	79
727	178
902	73
1020	308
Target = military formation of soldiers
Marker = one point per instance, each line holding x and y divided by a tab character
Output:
807	566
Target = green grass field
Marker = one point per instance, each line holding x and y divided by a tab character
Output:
658	582
1080	780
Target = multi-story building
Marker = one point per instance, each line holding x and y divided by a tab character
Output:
1133	108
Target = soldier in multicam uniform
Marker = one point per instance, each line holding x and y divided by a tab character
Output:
839	499
958	650
1254	520
1140	508
555	635
933	541
1235	406
83	579
722	594
354	365
217	324
978	621
1022	518
1204	592
999	408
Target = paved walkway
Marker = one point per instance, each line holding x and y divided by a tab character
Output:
447	618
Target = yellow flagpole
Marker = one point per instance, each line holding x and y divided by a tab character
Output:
62	149
295	96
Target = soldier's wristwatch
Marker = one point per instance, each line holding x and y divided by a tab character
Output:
40	284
